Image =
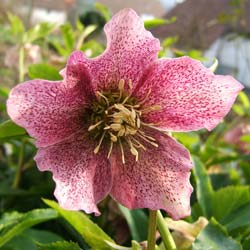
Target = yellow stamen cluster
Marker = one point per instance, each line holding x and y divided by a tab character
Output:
117	117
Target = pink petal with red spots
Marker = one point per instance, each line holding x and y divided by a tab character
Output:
159	180
50	111
130	50
191	97
82	177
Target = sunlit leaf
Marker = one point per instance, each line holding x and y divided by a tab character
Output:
9	129
91	232
30	238
24	221
39	31
16	24
103	10
43	71
60	245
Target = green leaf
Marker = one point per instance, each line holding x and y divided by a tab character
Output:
246	244
238	218
29	239
238	109
135	245
41	30
244	99
215	237
9	129
16	24
43	71
227	199
137	222
60	245
91	232
24	221
103	10
4	91
68	36
151	23
204	187
245	138
188	139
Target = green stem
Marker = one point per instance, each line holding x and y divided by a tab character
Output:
21	64
151	230
19	166
165	233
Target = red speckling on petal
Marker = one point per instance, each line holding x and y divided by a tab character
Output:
98	130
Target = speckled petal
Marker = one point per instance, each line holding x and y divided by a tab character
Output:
82	177
191	97
159	180
130	50
51	110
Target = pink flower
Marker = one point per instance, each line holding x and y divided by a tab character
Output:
102	130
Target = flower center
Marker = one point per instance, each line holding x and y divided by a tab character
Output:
116	117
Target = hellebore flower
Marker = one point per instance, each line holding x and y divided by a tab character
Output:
102	129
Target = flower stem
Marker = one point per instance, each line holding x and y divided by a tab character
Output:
151	230
165	233
19	166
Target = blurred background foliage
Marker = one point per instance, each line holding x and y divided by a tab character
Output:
221	177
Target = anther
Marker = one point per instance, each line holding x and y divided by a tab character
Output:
95	125
100	143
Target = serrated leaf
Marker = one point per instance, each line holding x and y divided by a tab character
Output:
215	237
238	217
25	221
137	222
43	71
91	232
30	237
60	245
204	188
9	129
227	199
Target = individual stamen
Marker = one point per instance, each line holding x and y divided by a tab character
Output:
145	98
149	141
103	96
110	148
151	108
137	144
132	149
121	88
100	143
95	125
121	121
113	137
122	151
